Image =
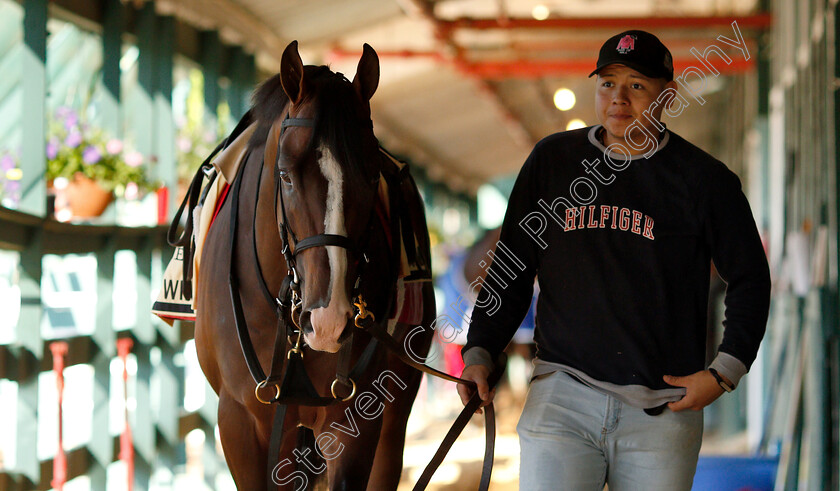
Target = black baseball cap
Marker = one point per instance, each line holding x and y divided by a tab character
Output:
639	50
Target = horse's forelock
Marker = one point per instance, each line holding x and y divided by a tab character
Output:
340	126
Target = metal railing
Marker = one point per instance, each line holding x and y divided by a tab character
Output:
157	421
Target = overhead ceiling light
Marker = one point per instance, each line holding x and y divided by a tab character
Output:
575	124
564	99
540	12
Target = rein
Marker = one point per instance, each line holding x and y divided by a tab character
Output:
292	385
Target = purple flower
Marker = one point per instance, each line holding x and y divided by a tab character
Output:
52	148
7	163
114	146
63	111
73	140
12	186
134	159
91	155
71	120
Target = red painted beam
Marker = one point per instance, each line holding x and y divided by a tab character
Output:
592	46
757	21
336	53
496	70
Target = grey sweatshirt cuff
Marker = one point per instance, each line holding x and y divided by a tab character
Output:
478	356
728	366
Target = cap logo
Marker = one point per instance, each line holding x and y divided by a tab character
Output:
626	44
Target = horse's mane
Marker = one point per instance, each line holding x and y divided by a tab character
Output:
340	119
267	104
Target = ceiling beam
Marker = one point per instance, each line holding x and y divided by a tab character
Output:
757	21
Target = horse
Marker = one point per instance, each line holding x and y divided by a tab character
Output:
314	172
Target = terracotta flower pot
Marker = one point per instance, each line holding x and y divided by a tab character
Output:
86	198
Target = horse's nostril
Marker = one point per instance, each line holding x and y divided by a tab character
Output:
306	322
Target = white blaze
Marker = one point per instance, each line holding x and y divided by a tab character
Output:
332	318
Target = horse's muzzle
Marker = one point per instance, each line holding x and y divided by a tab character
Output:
318	343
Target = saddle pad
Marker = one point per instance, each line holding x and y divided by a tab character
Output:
171	304
412	275
408	304
408	270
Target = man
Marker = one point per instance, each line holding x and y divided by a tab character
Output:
620	223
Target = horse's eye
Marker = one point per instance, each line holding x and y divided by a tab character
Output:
285	177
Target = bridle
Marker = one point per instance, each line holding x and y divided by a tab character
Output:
292	248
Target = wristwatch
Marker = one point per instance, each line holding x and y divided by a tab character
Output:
725	386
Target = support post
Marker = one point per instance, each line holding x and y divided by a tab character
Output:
143	120
164	127
29	348
101	444
211	54
33	156
112	29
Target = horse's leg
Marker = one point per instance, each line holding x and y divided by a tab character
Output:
387	466
349	446
245	455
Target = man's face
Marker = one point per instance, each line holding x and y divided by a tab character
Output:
622	96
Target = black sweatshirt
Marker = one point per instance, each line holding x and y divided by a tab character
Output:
624	279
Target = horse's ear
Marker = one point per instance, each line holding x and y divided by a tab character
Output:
291	72
367	74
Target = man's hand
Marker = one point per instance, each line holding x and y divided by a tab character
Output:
701	389
478	374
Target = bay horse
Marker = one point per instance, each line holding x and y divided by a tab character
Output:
305	215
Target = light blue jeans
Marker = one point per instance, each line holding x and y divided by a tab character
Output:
573	437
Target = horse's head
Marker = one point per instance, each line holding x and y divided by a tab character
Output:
327	169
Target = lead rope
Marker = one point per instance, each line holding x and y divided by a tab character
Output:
367	322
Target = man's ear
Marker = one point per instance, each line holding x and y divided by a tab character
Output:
668	100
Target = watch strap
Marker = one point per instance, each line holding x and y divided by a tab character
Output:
720	381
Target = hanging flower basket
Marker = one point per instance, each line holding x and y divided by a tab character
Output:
86	198
93	167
